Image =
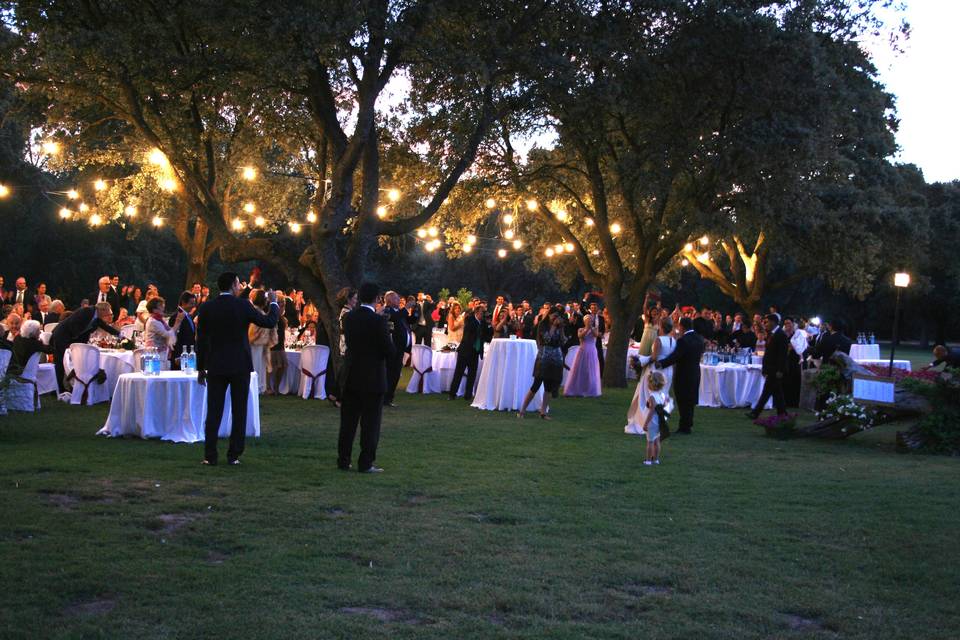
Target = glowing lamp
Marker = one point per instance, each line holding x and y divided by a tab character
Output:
421	233
96	220
259	221
568	247
381	211
249	207
508	234
532	205
588	222
84	207
157	221
548	252
684	263
393	195
73	194
157	157
518	243
467	248
168	184
51	148
508	218
311	216
249	173
99	185
502	253
704	240
65	213
562	215
130	211
295	227
901	279
471	239
237	224
432	232
615	228
688	247
491	203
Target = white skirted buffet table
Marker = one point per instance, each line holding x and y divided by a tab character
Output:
171	406
865	351
730	385
507	375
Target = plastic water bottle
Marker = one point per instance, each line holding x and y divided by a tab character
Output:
192	357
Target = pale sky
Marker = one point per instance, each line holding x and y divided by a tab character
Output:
924	78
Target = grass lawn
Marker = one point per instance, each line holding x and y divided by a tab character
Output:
483	526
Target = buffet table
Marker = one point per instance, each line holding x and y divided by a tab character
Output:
730	385
865	351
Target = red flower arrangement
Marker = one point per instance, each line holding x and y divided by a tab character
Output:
929	377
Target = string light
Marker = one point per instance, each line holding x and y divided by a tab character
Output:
432	232
508	234
467	248
688	247
615	228
588	222
4	191
558	248
381	211
51	148
311	216
568	247
518	243
65	213
548	252
704	257
99	185
561	215
130	211
508	218
259	221
168	184
532	205
237	224
295	227
684	263
502	253
158	158
471	239
249	174
491	203
249	207
95	220
157	221
705	240
73	194
393	195
84	207
595	252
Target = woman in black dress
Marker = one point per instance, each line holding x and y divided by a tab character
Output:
548	369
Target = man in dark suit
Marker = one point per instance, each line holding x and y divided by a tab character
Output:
703	324
369	347
774	367
601	326
831	341
686	376
526	321
423	325
224	360
106	293
187	333
77	328
400	334
470	350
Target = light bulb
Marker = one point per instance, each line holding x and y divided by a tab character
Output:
259	221
615	228
84	207
73	194
168	184
508	218
467	248
684	263
99	185
381	211
548	252
65	213
432	232
393	195
568	247
561	215
491	203
130	211
4	191
421	233
237	224
705	240
295	227
595	252
95	219
518	243
249	173
588	222
471	239
51	148
157	157
508	234
311	216
428	246
688	247
532	205
558	248
502	253
157	221
249	207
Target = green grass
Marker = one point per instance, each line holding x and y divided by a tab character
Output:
483	526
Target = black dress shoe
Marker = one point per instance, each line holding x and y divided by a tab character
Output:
752	415
390	404
372	470
208	463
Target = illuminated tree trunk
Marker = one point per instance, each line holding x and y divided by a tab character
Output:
745	280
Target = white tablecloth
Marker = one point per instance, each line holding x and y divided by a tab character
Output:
865	351
114	362
290	385
438	339
171	406
507	375
730	385
46	378
897	364
632	350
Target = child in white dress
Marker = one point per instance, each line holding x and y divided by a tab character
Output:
656	383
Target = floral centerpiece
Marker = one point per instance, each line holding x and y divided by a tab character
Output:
840	406
781	427
297	345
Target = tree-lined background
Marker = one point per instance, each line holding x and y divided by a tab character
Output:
730	154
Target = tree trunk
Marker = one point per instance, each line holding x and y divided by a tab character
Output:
197	254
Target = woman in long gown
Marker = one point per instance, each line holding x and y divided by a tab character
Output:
663	346
584	378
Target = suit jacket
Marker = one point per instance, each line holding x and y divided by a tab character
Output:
27	298
744	340
369	345
526	324
775	353
401	330
78	327
474	332
222	323
426	313
704	327
23	348
830	343
686	360
186	334
112	297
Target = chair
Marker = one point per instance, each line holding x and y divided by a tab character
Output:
50	326
313	369
259	354
5	355
22	393
568	362
126	331
90	380
424	379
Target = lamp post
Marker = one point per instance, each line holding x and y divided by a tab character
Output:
901	281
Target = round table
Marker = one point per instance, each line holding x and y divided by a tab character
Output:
865	351
171	406
507	375
114	362
730	385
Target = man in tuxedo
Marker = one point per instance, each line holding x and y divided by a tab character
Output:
224	360
187	333
369	347
470	350
20	295
526	321
774	367
686	376
601	326
77	328
423	327
400	334
42	314
831	341
107	294
703	324
743	337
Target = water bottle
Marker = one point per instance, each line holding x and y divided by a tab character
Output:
193	360
873	338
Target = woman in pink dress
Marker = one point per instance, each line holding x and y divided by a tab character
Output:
584	378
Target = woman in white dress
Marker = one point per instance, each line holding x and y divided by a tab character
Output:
157	334
663	346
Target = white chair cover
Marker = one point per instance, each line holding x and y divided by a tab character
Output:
5	355
423	379
50	326
126	331
45	337
86	368
22	394
313	371
259	354
568	362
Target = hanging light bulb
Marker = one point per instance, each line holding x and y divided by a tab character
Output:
4	191
157	221
381	211
508	218
237	224
95	220
615	228
157	157
393	195
421	233
684	263
130	211
168	184
249	173
99	185
295	227
518	243
65	213
705	240
548	252
249	207
467	248
688	247
432	232
562	215
84	207
568	247
471	239
490	203
73	194
502	253
595	252
259	221
51	148
311	216
558	248
532	205
429	246
508	234
588	222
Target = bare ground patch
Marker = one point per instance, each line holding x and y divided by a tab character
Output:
383	614
87	608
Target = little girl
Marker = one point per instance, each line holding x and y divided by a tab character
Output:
651	426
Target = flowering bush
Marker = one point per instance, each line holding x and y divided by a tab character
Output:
844	406
928	377
779	426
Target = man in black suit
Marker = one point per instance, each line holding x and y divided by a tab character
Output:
106	293
224	360
686	376
400	334
833	341
77	328
470	350
601	326
423	324
369	347
703	324
774	367
526	321
187	333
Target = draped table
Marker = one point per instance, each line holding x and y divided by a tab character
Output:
865	351
114	362
171	406
507	375
730	385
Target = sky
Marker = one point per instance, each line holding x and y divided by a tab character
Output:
926	82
